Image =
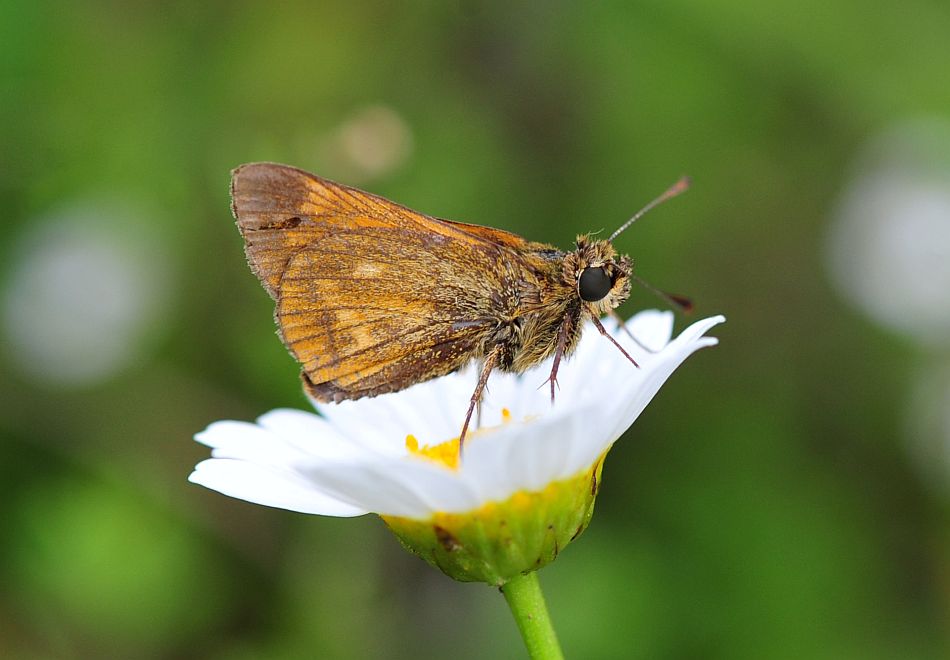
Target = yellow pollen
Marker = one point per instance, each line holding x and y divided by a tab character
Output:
445	454
505	415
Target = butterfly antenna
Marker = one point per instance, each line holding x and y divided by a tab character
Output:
681	303
677	188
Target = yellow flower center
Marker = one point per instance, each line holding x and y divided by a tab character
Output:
446	453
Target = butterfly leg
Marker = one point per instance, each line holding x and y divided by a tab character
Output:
623	326
478	404
562	335
600	328
490	360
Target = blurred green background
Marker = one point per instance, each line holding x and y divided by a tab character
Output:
785	496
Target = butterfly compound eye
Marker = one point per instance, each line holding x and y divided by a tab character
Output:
594	284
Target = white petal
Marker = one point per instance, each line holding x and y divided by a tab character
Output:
361	419
272	446
409	487
310	434
529	456
652	328
432	412
633	400
247	441
268	485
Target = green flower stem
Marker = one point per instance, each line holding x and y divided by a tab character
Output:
526	601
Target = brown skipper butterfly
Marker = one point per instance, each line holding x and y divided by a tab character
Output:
372	297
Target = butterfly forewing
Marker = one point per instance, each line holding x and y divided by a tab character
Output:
281	209
371	296
358	322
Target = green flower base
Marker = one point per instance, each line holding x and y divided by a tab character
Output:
502	540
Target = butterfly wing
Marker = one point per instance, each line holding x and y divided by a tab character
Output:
371	296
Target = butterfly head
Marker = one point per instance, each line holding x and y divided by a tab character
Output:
600	276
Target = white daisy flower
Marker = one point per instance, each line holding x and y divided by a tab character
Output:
525	486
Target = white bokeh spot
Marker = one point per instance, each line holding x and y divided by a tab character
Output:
889	244
87	286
